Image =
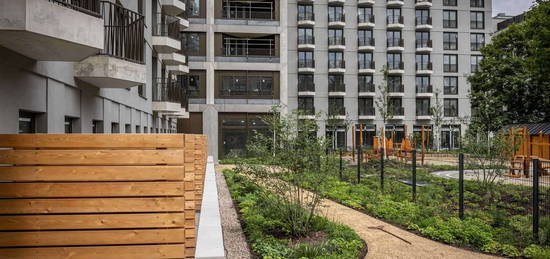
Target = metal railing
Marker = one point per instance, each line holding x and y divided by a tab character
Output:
424	89
336	40
396	88
306	39
238	47
337	63
394	19
423	112
306	63
365	110
307	108
124	33
423	20
366	41
90	7
366	64
337	87
166	90
398	111
340	17
167	25
424	66
249	10
365	18
395	42
307	16
336	110
366	87
476	46
396	65
422	1
307	86
423	43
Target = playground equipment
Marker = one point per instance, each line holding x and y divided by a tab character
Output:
532	142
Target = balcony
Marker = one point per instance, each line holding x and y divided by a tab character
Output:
425	68
424	91
424	45
366	67
365	21
398	113
183	21
367	89
306	65
172	7
396	45
423	3
395	22
306	88
249	10
306	42
338	89
366	44
121	63
336	43
166	34
167	96
366	112
396	68
423	114
337	66
336	2
306	19
365	2
175	58
337	111
397	90
423	23
395	3
307	110
255	50
52	30
337	21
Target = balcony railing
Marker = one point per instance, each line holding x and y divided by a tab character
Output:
307	16
337	18
366	64
423	20
338	87
365	18
476	46
366	110
306	39
338	40
366	42
306	63
124	33
306	109
422	1
423	43
337	63
396	65
398	111
395	20
167	25
249	10
366	88
424	66
306	86
423	89
396	88
183	84
238	47
336	110
90	7
423	112
166	90
395	42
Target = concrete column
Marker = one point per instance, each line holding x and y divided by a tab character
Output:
283	38
210	128
56	107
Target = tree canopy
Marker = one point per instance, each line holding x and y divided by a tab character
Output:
513	82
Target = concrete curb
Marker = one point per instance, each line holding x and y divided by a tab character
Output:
209	236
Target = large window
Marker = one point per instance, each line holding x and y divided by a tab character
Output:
449	2
423	107
477	20
336	83
423	62
394	39
305	13
335	14
306	83
27	122
305	36
449	19
236	129
247	86
450	41
365	38
450	63
423	84
394	15
305	105
366	106
394	61
194	7
336	37
397	104
422	16
450	85
423	39
477	3
477	41
395	84
193	86
450	107
305	59
97	127
193	43
364	15
365	83
336	106
336	59
474	62
365	60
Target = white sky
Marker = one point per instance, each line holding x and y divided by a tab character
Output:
511	7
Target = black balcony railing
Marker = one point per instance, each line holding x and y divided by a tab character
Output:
398	111
424	66
396	88
244	47
365	18
340	17
337	40
366	88
307	16
307	86
336	110
183	85
366	41
423	20
422	89
365	110
249	10
366	64
337	63
306	63
166	90
90	7
338	87
396	65
423	112
306	108
423	43
394	19
306	39
396	42
124	33
422	1
167	25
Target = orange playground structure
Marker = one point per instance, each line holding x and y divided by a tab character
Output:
532	141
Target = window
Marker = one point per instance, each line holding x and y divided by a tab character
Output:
305	36
336	106
397	104
365	83
27	122
260	86
141	90
450	107
305	105
450	85
423	107
423	16
97	126
336	60
145	130
193	86
449	19
364	15
247	86
194	7
450	63
305	13
306	83
335	14
394	61
423	39
336	83
193	43
127	128
69	124
477	3
450	41
395	84
305	59
138	129
115	127
474	62
423	62
366	106
365	60
449	2
477	41
336	37
394	39
423	84
365	38
477	20
394	15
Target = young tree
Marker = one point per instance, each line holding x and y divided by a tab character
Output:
383	103
438	116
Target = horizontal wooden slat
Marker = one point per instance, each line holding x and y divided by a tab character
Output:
92	140
91	173
91	157
103	252
72	190
94	221
91	205
92	237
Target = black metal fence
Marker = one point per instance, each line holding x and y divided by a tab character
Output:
90	7
124	33
167	25
166	90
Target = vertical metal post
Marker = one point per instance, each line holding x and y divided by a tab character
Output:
341	165
536	200
382	169
414	174
461	186
358	164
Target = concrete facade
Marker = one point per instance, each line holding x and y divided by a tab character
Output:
101	94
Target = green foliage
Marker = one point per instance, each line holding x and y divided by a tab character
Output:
270	235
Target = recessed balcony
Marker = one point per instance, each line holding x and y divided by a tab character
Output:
365	21
166	34
365	2
337	20
121	63
306	65
424	91
306	19
338	89
366	112
366	89
395	22
167	96
366	67
172	7
424	68
424	46
397	90
423	3
396	68
306	89
337	66
52	30
423	23
399	113
395	3
306	42
366	44
336	43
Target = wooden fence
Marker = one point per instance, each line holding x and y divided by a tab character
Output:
100	196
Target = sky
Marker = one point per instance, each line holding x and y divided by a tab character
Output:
511	7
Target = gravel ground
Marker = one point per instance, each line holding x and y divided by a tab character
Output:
233	237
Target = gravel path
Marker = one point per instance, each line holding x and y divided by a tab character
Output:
233	237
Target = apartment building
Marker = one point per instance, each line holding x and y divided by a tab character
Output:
92	66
